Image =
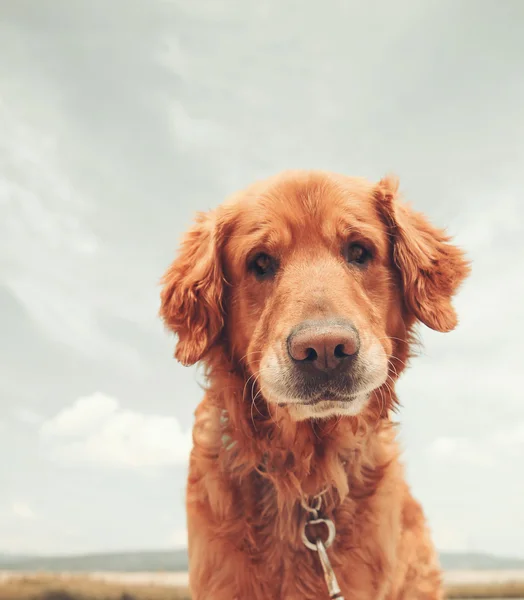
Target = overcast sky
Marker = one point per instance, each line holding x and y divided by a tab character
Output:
119	119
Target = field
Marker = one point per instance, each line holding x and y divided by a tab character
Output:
172	586
55	587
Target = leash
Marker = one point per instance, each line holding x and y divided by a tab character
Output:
320	546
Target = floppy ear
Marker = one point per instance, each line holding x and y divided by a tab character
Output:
191	298
431	268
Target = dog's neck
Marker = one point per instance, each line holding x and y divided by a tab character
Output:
299	459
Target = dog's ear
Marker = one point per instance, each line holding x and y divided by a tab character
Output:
431	268
191	297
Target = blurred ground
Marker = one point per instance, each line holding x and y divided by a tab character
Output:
173	586
55	587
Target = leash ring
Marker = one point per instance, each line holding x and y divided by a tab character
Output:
331	533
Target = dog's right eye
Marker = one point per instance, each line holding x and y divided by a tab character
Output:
263	266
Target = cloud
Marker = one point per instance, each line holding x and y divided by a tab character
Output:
178	538
194	132
460	449
27	416
171	55
479	231
49	252
450	539
96	430
488	451
511	439
22	510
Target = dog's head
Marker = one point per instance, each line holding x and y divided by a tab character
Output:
310	283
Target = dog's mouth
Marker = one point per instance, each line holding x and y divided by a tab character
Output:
333	396
310	393
329	395
326	401
344	388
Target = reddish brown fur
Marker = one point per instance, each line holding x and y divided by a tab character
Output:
244	490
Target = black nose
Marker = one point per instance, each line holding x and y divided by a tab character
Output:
323	345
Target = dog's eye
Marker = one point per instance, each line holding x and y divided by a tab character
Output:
358	254
263	266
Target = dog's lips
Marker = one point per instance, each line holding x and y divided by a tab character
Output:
280	384
330	396
326	396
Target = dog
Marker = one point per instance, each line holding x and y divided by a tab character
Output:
300	295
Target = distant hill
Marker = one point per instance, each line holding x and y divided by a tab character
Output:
478	561
161	560
176	560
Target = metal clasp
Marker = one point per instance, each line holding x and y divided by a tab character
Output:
331	533
320	546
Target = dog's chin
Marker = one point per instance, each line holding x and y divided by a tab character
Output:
302	410
322	405
324	409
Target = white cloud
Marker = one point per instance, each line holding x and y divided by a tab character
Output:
478	230
49	255
486	452
96	430
87	414
22	510
510	439
27	416
450	539
193	132
171	55
460	449
178	538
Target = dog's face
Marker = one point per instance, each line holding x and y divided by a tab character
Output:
309	282
310	295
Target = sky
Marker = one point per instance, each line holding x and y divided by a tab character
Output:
119	120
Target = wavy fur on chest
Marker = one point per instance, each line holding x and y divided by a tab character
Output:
249	472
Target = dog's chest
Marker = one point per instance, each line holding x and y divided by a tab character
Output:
283	567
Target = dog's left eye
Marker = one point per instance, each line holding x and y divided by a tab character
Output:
358	254
263	266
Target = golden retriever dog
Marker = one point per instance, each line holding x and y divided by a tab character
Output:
300	296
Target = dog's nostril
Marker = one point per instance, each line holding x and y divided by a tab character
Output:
339	351
311	354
